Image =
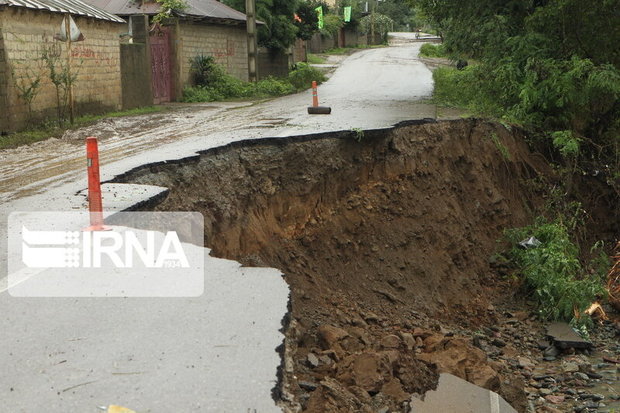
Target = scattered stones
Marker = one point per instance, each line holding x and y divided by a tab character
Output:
330	335
313	360
498	342
570	367
551	351
391	341
308	386
369	371
581	376
555	399
525	363
408	340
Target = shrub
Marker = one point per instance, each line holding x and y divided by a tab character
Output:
272	86
217	85
553	272
205	71
432	50
302	75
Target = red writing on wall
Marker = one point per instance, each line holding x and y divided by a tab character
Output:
88	53
225	52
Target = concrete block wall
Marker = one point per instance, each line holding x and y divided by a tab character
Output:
228	44
4	81
25	33
300	53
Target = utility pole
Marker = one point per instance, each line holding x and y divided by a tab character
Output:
69	73
372	21
250	12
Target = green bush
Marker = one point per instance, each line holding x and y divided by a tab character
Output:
217	85
553	272
302	76
433	50
332	25
204	71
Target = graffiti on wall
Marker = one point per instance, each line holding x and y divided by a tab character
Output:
227	51
83	52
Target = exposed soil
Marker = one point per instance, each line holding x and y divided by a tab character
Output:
385	238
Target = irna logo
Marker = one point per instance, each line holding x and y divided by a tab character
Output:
98	249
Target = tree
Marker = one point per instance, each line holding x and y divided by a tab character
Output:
309	23
552	65
279	31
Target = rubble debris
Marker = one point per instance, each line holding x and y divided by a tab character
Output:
456	395
564	337
530	243
596	311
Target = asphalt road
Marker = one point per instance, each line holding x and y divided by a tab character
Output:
213	353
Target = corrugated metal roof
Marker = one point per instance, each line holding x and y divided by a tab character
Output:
195	8
75	7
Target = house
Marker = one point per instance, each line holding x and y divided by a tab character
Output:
29	52
204	27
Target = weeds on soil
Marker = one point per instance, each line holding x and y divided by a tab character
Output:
314	59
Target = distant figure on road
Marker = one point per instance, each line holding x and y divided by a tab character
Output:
417	33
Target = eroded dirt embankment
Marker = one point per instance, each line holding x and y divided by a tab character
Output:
384	238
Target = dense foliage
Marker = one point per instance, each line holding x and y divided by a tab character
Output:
551	65
553	272
279	30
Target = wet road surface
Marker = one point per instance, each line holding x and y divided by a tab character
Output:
213	353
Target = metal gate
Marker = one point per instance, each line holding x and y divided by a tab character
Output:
160	65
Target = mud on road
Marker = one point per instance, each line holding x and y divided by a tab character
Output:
384	237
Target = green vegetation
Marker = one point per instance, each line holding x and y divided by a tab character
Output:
52	129
380	23
63	77
551	66
358	134
553	272
314	59
213	84
27	86
453	87
500	146
280	29
332	25
168	7
433	50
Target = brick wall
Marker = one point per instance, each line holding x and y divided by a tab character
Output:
228	44
25	33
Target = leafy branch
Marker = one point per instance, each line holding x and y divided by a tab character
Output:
167	7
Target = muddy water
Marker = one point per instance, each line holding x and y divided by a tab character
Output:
578	392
